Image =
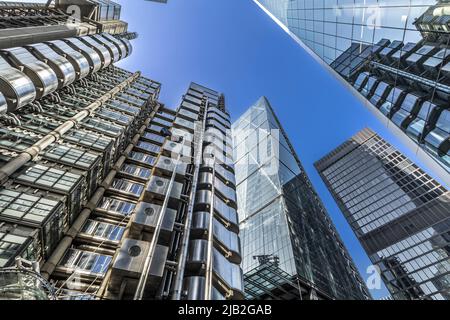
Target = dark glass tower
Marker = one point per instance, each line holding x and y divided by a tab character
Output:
291	249
400	215
104	192
394	55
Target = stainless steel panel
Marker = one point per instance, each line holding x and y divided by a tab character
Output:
226	237
131	256
78	60
119	44
128	45
220	145
159	187
194	288
217	124
225	174
225	190
17	88
175	149
145	219
187	136
197	251
220	134
200	220
3	104
220	157
184	123
60	65
130	264
225	211
216	118
220	112
95	62
168	165
43	77
231	273
112	48
203	199
102	51
205	178
188	114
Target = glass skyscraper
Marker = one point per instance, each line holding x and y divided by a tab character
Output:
392	54
290	247
400	214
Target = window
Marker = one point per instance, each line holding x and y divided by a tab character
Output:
127	186
154	137
142	157
103	230
12	242
113	115
136	171
161	122
49	178
119	105
71	155
86	262
148	146
31	210
87	139
117	206
103	126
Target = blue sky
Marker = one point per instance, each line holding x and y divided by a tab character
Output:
233	47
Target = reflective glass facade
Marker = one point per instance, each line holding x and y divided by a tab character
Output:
394	53
282	220
400	214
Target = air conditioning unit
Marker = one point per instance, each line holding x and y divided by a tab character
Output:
143	222
129	265
158	187
166	166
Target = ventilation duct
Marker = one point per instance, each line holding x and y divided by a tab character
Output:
15	87
61	66
76	58
43	77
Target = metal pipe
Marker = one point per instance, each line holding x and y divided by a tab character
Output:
16	163
151	251
209	253
187	227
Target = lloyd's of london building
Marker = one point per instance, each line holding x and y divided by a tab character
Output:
103	194
394	55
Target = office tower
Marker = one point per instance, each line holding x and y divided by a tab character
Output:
100	196
290	247
392	55
186	215
400	215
